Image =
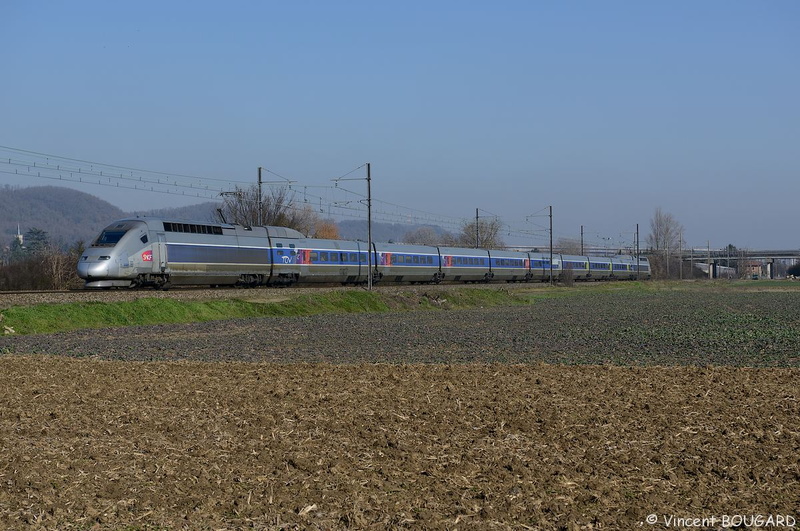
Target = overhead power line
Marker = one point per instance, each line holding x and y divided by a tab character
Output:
333	201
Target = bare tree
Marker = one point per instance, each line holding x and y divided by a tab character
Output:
278	208
487	235
663	241
423	236
568	245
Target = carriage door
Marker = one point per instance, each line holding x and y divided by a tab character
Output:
160	254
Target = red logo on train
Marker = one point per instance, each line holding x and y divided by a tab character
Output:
147	256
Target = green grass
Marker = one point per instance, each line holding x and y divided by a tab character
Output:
51	318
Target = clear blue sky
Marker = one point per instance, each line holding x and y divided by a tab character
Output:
605	110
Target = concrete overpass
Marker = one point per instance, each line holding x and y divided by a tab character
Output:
717	257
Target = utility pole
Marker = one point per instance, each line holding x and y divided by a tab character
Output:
477	230
260	201
369	226
369	215
637	252
680	254
551	244
581	240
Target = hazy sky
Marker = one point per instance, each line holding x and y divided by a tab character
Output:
604	110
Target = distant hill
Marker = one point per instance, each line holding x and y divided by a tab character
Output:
69	216
66	215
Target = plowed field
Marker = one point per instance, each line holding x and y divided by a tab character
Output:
461	441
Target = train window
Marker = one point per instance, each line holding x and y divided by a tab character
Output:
354	258
334	257
109	238
291	246
416	259
313	256
343	257
144	238
323	257
430	260
192	229
278	245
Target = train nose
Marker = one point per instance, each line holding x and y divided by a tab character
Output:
93	268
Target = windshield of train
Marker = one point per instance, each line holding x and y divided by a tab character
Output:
109	238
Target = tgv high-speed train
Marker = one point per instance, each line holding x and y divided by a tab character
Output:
160	253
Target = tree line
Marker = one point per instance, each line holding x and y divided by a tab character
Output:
34	262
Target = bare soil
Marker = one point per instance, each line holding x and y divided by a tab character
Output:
194	445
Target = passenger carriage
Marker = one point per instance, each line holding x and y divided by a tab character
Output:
407	263
321	261
465	265
540	266
599	267
510	266
578	266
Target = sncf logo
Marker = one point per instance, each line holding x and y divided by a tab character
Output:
147	256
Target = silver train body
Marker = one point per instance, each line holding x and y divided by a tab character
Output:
161	253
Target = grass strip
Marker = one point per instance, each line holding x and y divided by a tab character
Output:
52	318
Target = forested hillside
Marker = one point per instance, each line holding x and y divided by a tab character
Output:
66	215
